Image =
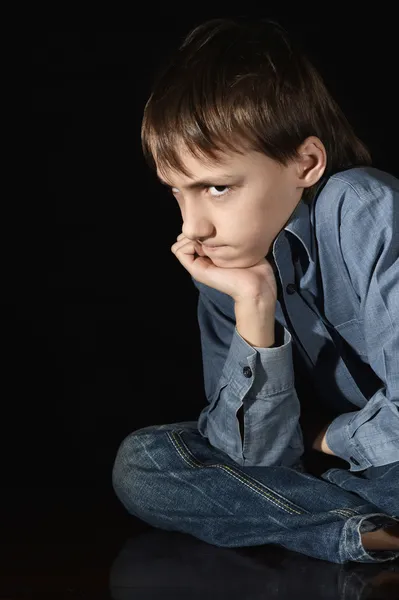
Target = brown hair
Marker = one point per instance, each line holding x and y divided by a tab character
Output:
239	84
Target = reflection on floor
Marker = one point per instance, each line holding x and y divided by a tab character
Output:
159	564
67	545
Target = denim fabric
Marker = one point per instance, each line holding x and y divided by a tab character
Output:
172	478
337	266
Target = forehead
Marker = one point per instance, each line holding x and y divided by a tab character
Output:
201	167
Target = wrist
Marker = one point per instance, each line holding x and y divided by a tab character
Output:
255	322
320	443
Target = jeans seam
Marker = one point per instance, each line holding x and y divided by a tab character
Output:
345	512
190	459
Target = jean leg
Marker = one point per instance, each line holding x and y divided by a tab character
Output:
172	478
377	485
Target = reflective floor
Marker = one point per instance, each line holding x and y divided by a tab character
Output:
80	544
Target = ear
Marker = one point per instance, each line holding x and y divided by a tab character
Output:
311	162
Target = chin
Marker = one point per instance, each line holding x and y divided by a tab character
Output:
235	263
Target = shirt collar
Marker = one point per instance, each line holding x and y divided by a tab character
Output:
300	223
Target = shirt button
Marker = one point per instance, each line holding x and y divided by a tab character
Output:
354	460
291	288
247	372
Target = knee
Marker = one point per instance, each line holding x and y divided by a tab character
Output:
143	464
134	466
123	461
127	457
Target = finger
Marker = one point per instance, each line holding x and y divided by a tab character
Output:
177	245
185	252
182	240
191	256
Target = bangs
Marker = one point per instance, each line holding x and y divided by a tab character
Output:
176	127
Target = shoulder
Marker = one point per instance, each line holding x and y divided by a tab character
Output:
356	222
360	190
359	198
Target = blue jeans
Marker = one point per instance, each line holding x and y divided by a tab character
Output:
172	478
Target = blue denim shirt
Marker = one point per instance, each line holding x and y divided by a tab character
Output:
337	264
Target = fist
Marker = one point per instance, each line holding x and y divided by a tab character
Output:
255	282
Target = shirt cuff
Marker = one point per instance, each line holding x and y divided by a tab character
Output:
267	371
340	443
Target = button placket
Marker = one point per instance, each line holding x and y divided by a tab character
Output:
322	343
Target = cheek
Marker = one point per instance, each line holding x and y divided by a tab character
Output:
247	228
257	229
259	239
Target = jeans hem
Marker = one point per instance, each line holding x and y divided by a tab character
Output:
352	543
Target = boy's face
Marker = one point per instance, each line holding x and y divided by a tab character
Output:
242	204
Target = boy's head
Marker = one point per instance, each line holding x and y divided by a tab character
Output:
239	97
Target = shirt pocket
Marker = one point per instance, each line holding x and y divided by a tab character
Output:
353	333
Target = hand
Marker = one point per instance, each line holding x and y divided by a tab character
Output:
257	281
320	442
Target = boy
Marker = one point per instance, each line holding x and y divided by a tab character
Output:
292	240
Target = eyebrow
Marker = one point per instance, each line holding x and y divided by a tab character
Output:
200	183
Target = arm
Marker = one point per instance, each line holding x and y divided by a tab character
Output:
260	380
320	442
370	248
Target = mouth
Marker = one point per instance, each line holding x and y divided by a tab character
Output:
210	248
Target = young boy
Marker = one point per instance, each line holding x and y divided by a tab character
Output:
292	240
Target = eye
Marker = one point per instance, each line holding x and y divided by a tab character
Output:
220	192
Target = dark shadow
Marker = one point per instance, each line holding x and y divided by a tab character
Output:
161	564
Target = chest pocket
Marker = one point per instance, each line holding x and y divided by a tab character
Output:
352	333
349	339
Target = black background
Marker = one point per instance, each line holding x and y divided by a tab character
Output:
99	322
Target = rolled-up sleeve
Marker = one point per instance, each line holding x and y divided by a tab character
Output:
370	249
260	380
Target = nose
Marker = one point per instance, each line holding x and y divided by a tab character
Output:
196	225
